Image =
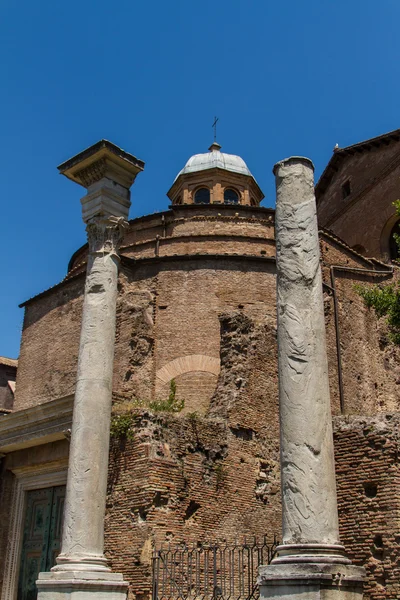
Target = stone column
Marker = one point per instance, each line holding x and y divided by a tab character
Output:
310	559
83	533
81	570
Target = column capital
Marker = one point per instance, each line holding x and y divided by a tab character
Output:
105	234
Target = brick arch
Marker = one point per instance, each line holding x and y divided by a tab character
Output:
185	364
385	236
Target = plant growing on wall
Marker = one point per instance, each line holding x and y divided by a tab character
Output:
172	404
121	427
385	298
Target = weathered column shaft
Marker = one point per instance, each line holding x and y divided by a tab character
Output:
83	535
307	461
310	563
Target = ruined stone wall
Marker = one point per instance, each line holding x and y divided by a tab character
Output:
360	218
193	296
215	474
200	477
368	478
168	324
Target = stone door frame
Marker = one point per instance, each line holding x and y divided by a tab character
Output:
26	479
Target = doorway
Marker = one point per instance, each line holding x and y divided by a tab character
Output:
42	532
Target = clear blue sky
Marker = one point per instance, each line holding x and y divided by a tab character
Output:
284	78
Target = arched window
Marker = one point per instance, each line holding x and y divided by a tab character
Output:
393	247
231	197
202	196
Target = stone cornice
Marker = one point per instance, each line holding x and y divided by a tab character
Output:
176	258
214	236
36	425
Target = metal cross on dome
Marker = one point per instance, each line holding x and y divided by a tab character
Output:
215	128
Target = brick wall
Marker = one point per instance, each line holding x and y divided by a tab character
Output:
169	309
370	364
368	478
360	218
201	477
49	346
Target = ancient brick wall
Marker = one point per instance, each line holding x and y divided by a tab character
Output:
368	478
360	218
168	311
49	346
201	478
370	364
195	476
168	322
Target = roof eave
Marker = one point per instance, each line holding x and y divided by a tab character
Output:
340	154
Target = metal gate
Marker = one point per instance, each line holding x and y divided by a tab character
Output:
210	571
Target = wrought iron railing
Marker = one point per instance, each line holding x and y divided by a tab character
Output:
210	571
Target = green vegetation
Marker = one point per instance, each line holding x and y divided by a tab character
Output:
121	427
385	298
123	419
169	405
192	417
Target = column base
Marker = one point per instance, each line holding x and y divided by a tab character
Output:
311	581
81	585
311	553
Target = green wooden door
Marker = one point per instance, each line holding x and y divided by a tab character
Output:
41	538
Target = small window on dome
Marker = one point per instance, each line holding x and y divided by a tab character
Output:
231	197
202	196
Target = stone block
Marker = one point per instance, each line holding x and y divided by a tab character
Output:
81	585
311	581
105	202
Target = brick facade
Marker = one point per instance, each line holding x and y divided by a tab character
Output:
364	217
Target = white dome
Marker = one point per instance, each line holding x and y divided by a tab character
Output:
215	159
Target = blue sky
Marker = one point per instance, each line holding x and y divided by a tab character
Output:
284	78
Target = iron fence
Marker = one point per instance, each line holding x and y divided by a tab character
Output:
210	571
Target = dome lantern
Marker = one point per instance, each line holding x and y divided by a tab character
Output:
215	177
